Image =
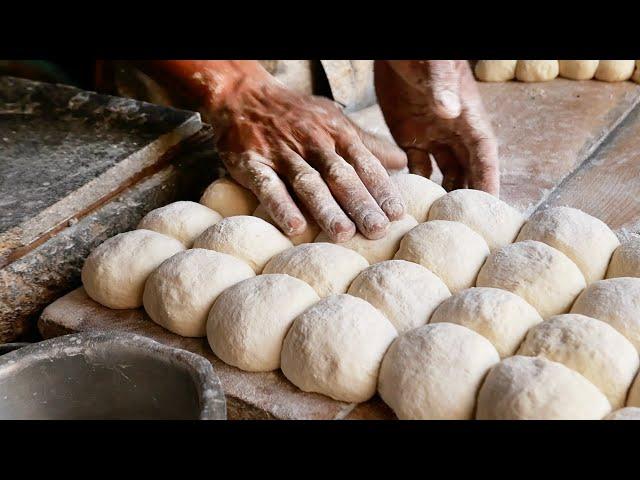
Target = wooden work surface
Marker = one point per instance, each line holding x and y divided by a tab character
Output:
561	143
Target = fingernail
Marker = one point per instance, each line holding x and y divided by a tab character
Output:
375	226
295	226
393	208
449	103
342	230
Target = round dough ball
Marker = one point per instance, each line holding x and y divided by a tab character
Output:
545	277
590	347
418	194
183	221
501	317
633	400
407	293
537	70
335	348
534	388
114	273
451	250
629	413
306	236
228	198
497	222
586	240
578	69
433	372
495	70
250	239
615	301
180	292
615	70
377	250
248	322
328	268
625	261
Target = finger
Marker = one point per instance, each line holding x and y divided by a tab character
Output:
453	176
391	156
419	162
484	165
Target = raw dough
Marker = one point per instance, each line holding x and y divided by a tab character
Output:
615	301
115	272
228	198
248	321
497	222
433	372
537	70
418	194
328	268
495	70
534	388
615	70
545	277
250	239
586	240
307	236
451	250
179	293
377	250
407	293
501	317
625	261
578	69
592	348
183	221
629	413
335	348
633	400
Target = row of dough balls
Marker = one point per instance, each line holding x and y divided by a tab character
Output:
545	70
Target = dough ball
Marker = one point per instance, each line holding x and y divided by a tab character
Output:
537	70
451	250
615	70
248	321
228	198
434	372
615	301
307	236
497	222
250	239
183	221
114	273
592	348
629	413
407	293
586	240
328	268
335	348
545	277
377	250
501	317
180	292
578	69
495	70
625	261
418	194
534	388
633	400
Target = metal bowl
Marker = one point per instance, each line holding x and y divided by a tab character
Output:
108	376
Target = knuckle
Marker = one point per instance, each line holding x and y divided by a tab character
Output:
339	171
304	179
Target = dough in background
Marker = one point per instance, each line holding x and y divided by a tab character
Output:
537	70
625	261
377	250
418	194
180	292
495	70
615	70
328	268
248	321
628	413
307	236
433	372
636	74
534	388
500	316
405	292
451	250
183	221
545	277
592	348
250	239
578	69
229	198
114	273
585	239
335	348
